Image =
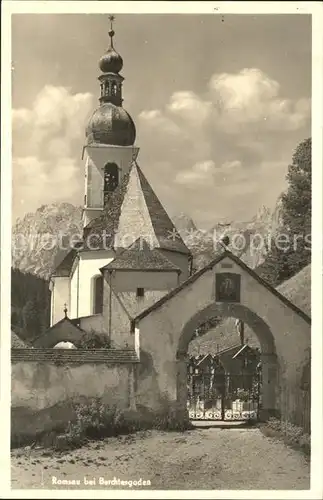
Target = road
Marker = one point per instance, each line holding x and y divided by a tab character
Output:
231	459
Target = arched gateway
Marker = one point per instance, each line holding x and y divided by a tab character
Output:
226	288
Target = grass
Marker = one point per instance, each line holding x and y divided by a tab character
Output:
71	424
290	434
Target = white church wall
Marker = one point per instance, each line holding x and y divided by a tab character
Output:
94	181
123	156
90	214
60	297
72	313
90	264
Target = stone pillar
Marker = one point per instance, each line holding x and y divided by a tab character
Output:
269	368
182	362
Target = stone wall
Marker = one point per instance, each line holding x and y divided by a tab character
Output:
46	384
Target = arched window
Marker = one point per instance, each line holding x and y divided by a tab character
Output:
111	177
114	88
97	294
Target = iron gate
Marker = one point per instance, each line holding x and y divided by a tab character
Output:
216	395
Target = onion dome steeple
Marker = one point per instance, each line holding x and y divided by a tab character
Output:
111	124
111	61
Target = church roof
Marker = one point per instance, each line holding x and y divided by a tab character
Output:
141	257
63	269
133	211
64	330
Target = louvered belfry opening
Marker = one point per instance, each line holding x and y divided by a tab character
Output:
111	180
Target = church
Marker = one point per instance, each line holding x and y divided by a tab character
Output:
131	254
129	281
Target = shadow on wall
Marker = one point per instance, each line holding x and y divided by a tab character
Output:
146	378
29	425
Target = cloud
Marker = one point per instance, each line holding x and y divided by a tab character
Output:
190	107
47	140
234	140
233	103
156	119
200	173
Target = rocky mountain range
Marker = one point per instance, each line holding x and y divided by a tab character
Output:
36	238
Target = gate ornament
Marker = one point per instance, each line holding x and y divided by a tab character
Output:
216	395
227	287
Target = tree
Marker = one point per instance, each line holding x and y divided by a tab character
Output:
93	340
297	206
284	261
31	323
27	287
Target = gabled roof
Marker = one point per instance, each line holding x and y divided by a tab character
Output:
236	350
65	261
64	330
167	235
242	348
194	277
141	257
134	210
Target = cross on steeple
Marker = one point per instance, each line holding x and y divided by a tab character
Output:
111	19
111	32
65	310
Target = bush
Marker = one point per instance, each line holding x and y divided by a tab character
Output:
291	434
169	418
92	340
94	420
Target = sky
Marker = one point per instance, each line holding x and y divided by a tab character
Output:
220	103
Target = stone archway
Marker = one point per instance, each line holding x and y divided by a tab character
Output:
270	367
165	329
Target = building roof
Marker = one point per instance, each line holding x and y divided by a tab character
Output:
65	265
77	356
239	262
64	330
141	257
134	209
166	232
235	350
111	124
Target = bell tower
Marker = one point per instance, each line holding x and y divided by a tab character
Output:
110	136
